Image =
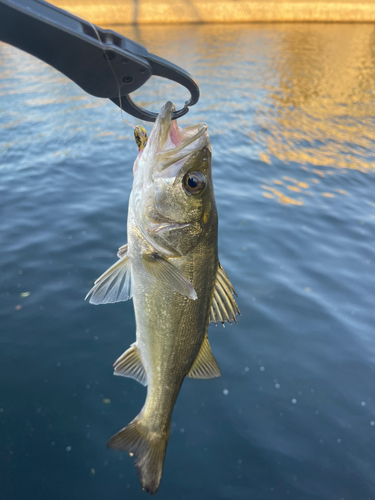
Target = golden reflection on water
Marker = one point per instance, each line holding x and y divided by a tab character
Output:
320	108
302	93
281	197
321	111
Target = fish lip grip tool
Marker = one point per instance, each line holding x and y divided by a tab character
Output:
102	62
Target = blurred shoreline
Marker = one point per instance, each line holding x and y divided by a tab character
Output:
105	12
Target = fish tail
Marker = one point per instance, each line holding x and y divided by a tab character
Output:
147	447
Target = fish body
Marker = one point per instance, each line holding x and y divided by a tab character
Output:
170	267
170	327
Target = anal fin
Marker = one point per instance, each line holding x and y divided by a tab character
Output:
205	365
130	365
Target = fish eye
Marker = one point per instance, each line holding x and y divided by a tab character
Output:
194	182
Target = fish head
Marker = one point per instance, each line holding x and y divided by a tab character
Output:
173	194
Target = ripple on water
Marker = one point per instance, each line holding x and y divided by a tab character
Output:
289	110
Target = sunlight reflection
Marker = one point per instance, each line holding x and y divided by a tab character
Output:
322	110
296	97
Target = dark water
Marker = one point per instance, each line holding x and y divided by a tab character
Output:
290	110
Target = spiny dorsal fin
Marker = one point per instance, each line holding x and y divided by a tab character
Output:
223	306
205	365
114	285
130	365
168	274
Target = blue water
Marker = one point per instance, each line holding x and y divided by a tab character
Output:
290	111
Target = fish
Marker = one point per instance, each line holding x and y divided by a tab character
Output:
170	267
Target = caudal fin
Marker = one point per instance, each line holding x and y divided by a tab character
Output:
148	450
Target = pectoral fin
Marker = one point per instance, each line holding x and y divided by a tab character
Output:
114	285
223	306
205	365
168	274
130	365
122	251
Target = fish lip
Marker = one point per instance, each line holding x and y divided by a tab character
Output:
166	111
163	123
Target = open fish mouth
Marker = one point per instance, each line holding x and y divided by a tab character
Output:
173	145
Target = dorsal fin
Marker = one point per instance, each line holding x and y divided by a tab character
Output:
130	365
223	306
205	365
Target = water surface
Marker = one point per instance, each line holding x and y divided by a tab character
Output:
290	111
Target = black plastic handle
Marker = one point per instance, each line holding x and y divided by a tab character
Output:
71	45
102	62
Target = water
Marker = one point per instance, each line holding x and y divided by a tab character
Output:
290	111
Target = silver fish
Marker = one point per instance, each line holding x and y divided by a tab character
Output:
170	267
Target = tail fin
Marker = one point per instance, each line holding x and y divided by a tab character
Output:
148	450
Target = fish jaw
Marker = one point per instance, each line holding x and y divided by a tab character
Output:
163	212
